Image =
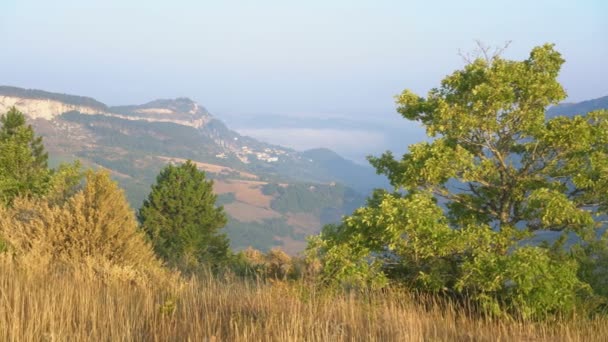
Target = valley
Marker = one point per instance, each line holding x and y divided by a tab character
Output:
310	188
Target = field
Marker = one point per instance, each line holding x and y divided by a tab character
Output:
58	306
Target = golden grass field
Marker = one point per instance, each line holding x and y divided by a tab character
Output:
76	306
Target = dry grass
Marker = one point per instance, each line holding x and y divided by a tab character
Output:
246	212
212	168
245	191
60	306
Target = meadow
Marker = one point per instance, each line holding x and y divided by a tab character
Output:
66	305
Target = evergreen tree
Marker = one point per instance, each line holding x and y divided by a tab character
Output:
11	122
181	218
23	160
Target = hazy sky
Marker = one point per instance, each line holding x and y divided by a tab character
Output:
310	58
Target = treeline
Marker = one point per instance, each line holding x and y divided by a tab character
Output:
311	197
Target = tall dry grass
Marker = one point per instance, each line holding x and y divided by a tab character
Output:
57	305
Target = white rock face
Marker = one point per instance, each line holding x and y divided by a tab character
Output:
196	123
155	111
42	108
49	109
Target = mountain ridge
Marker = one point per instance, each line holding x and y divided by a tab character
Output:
573	108
135	141
42	94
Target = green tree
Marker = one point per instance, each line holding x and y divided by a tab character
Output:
66	180
23	161
496	172
182	220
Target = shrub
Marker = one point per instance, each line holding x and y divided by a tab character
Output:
95	228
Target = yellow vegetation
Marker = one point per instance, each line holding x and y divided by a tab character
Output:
57	306
95	230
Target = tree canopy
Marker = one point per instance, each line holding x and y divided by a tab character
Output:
182	220
495	159
467	204
23	160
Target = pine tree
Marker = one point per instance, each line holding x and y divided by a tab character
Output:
11	122
181	218
23	160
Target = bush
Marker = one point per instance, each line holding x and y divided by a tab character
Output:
95	229
274	265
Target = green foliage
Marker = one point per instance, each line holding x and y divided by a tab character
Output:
593	260
65	182
23	161
260	235
156	138
181	219
529	282
346	264
226	198
311	198
496	173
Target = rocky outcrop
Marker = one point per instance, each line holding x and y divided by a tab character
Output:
180	111
43	108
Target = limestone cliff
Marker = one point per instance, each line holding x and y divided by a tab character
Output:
38	104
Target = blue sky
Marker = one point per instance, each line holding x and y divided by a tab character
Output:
312	58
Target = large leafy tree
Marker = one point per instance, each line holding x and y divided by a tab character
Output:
495	173
23	160
495	159
182	220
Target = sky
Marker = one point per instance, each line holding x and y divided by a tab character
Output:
302	59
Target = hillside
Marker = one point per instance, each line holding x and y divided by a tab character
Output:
583	107
136	141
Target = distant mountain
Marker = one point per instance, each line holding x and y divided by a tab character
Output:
337	167
584	107
34	94
136	141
